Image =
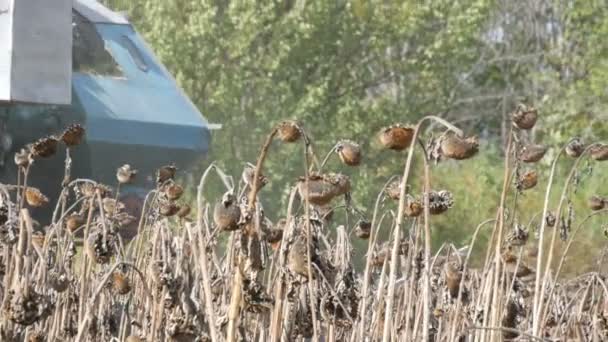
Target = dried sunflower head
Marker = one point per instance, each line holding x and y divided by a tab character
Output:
173	191
184	210
87	189
111	206
74	221
349	152
453	277
440	201
35	198
393	189
120	283
165	173
396	137
363	229
44	147
413	207
518	236
322	189
125	174
454	147
73	135
289	131
274	237
532	153
100	251
524	116
227	213
168	209
59	281
596	202
249	173
23	158
599	152
26	306
527	180
36	336
550	219
575	148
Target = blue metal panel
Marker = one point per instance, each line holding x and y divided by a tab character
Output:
145	107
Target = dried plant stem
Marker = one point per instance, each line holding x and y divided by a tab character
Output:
327	156
540	290
235	300
427	252
395	248
312	291
537	284
496	303
375	228
203	262
93	299
454	321
565	253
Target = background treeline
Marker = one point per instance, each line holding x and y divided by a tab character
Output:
347	68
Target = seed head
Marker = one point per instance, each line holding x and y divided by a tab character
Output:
59	281
596	202
550	219
73	135
532	153
527	180
349	152
457	148
99	251
44	147
168	209
440	201
518	236
396	137
575	148
524	117
120	283
413	207
112	206
274	237
165	173
88	189
23	158
125	174
322	189
289	131
297	256
599	152
453	277
35	198
363	229
226	213
248	174
173	191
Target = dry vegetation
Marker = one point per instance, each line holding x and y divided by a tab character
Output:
224	271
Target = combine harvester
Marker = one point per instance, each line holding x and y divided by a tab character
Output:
76	61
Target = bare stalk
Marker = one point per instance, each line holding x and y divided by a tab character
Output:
395	248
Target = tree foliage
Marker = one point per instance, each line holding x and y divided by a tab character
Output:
347	68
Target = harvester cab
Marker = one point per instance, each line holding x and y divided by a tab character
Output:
76	61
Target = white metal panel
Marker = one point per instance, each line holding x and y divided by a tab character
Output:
97	13
38	37
6	51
